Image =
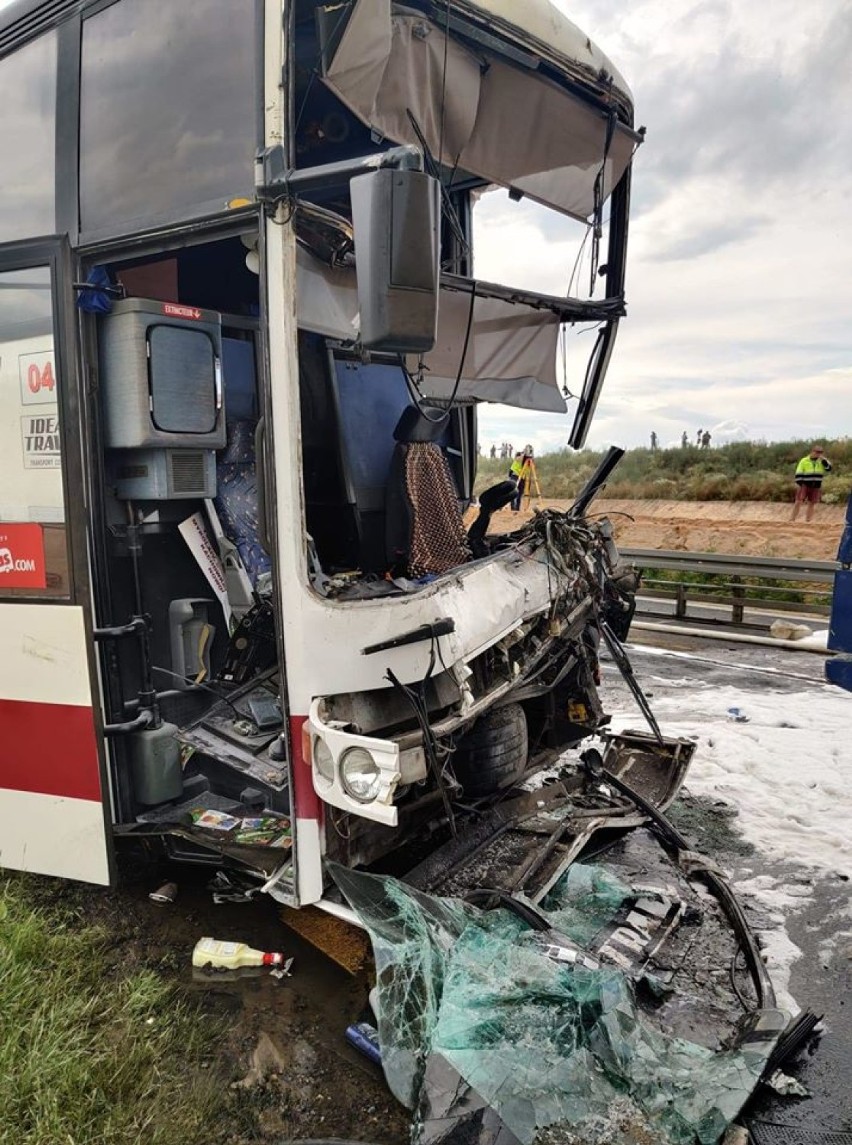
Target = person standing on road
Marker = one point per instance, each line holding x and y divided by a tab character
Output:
809	474
653	441
684	440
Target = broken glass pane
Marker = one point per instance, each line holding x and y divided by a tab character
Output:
488	1038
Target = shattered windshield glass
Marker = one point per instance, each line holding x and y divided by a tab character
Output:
493	1031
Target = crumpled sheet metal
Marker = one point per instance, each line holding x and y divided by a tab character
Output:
489	1040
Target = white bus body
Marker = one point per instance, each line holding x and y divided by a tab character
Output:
200	607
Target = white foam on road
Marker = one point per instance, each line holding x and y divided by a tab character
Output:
787	771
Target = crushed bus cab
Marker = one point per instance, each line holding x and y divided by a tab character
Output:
248	611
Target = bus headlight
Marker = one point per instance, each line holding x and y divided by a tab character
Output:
360	775
323	761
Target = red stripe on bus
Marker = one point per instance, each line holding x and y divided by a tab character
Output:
49	749
306	803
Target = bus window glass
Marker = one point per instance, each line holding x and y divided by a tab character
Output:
33	553
28	140
167	111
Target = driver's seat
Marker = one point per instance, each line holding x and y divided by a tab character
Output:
424	531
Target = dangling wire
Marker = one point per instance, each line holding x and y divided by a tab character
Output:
577	260
417	698
444	83
597	213
434	169
563	354
416	395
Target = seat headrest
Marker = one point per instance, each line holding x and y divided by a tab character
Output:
414	427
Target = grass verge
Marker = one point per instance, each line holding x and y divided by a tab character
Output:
739	471
92	1053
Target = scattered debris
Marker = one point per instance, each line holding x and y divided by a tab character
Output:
789	630
285	971
230	887
212	952
785	1085
214	820
266	830
167	893
267	1060
489	1031
365	1039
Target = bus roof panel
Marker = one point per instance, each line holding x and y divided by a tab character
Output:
538	25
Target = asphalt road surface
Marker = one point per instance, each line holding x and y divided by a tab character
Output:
807	903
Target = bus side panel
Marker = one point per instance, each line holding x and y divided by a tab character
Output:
52	819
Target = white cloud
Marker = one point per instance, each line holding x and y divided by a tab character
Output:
738	283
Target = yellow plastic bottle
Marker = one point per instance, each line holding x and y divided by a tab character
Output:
231	955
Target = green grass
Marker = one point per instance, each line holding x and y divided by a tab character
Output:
92	1053
741	471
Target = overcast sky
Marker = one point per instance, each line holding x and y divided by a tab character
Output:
739	282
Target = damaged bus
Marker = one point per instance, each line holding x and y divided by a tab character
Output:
248	609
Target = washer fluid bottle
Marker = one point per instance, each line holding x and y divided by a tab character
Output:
231	955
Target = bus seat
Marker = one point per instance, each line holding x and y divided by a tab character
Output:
424	532
236	498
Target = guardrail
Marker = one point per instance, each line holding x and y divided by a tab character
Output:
808	578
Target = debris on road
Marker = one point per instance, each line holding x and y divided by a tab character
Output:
598	1013
783	629
365	1039
285	971
227	886
167	893
212	952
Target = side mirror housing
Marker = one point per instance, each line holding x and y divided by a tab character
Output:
396	219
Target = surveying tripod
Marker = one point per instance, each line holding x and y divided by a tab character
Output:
531	479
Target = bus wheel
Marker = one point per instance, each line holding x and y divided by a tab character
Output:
494	753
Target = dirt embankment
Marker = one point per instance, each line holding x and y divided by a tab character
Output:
756	528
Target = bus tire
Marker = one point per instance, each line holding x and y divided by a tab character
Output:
494	754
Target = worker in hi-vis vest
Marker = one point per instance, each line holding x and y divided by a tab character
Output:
809	474
520	469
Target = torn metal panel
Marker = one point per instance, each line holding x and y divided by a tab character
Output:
400	74
511	354
525	844
541	27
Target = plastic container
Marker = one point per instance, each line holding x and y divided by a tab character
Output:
231	955
365	1039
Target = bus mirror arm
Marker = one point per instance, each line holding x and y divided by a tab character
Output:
278	181
396	225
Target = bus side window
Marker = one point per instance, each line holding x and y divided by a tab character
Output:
33	547
28	140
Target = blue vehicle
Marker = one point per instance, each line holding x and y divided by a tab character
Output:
838	670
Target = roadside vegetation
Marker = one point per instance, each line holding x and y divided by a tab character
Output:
94	1052
740	471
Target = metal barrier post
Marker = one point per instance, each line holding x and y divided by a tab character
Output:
680	601
737	608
